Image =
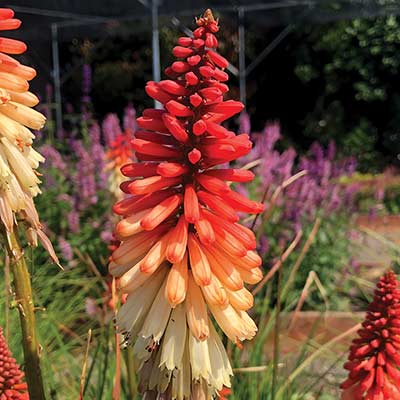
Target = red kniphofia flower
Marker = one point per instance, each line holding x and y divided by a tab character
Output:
119	154
12	386
183	251
224	393
374	359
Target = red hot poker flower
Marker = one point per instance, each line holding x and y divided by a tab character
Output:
183	252
374	359
224	393
119	154
12	386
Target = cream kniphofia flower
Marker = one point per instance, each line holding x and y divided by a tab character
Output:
19	180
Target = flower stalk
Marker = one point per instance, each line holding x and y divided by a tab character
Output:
26	308
276	335
130	367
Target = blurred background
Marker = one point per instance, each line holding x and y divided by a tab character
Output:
320	81
325	69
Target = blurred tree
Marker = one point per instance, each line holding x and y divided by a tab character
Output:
354	64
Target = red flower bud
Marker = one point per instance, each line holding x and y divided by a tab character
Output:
243	204
154	91
181	52
171	73
173	87
153	124
153	113
206	71
211	40
196	100
185	41
154	149
191	205
232	175
205	232
152	184
221	86
135	204
199	32
178	109
170	170
221	76
212	184
199	127
161	212
218	130
156	137
180	67
213	27
224	110
194	60
194	156
217	59
134	170
175	127
198	43
210	94
218	205
191	78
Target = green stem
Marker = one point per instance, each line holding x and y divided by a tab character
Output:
8	296
276	335
24	299
131	373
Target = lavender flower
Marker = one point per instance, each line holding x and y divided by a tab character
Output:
66	249
317	191
106	236
244	123
73	220
53	158
111	128
91	307
85	174
130	119
86	83
98	154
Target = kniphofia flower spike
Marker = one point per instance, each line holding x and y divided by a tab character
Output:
183	253
12	386
374	358
119	154
18	160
